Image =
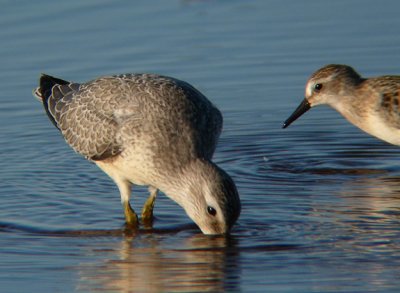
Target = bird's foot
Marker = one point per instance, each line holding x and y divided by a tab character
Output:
147	211
131	217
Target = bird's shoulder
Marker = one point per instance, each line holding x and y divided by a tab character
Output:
385	92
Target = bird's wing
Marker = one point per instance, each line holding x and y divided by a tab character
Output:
388	105
208	118
88	115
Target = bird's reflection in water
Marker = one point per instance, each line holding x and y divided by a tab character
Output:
377	197
363	225
155	263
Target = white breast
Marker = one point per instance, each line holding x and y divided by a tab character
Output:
381	129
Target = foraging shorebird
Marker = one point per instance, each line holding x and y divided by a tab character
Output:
372	104
146	129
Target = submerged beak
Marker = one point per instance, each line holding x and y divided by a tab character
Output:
301	109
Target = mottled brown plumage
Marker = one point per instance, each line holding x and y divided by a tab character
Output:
372	104
150	130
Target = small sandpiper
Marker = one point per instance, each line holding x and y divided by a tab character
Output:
147	129
372	104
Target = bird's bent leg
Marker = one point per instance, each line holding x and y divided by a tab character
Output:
130	216
147	211
124	187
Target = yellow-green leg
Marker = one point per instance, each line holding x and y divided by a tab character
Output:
130	216
124	186
147	211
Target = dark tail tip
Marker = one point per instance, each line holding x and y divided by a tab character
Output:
46	84
44	92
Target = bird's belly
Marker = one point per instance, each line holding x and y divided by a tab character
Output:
382	129
138	169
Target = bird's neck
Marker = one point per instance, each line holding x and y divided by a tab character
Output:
352	109
190	179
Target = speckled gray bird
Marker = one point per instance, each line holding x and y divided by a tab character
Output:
152	130
372	104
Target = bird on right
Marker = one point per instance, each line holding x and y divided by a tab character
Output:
371	104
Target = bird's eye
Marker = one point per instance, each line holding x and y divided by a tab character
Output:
318	87
211	211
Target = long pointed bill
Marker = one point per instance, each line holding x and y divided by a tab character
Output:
301	109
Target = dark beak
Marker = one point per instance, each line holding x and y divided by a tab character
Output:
301	109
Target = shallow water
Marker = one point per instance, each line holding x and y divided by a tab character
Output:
321	199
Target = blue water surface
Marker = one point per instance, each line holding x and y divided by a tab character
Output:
321	199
